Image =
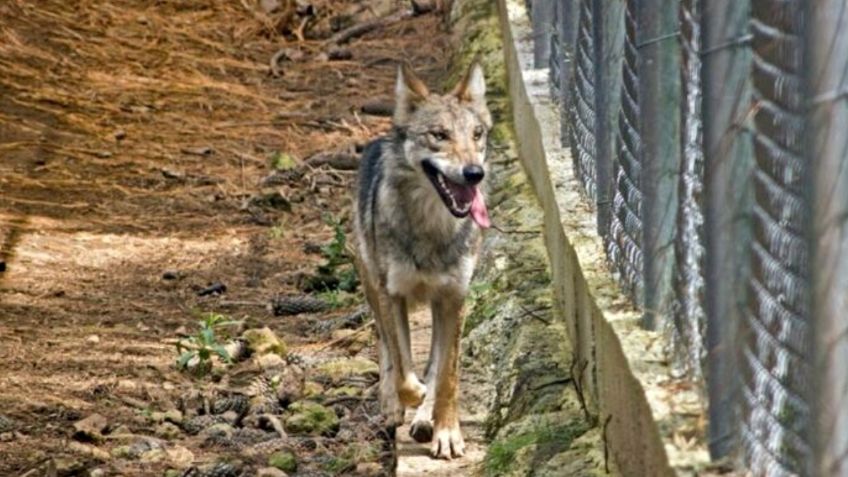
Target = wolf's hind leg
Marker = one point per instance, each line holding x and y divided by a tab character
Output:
447	437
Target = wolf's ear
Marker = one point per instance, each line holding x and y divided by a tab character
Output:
472	86
409	93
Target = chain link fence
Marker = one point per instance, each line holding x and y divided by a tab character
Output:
710	137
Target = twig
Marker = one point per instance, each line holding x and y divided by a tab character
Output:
577	380
350	336
360	29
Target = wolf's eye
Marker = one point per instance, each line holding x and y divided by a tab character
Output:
478	132
439	135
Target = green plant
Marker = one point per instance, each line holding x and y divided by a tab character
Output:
281	161
501	453
335	252
201	346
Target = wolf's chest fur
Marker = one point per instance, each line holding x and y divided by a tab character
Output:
418	245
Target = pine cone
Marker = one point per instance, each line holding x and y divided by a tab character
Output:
295	305
237	403
221	469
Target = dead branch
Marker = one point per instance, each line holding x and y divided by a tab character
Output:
360	29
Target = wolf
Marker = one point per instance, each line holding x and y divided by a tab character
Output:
420	211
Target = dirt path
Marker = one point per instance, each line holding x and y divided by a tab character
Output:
413	458
136	139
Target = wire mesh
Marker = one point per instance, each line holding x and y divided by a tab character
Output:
624	243
689	315
775	369
583	103
556	56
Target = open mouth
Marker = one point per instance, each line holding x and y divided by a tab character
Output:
457	197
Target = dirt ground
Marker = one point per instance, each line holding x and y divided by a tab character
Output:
136	143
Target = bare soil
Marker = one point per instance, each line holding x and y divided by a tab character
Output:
135	140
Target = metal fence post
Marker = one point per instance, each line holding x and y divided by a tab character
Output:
826	35
659	99
542	16
727	169
609	40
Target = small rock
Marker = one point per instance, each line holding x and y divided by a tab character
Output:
167	430
91	428
264	341
290	383
119	135
283	460
67	466
96	473
350	391
369	469
153	455
198	151
171	415
217	432
7	436
89	451
180	457
127	385
271	362
338	370
271	472
312	389
309	417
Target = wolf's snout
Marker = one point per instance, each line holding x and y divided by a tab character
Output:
473	174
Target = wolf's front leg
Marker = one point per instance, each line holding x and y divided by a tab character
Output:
447	438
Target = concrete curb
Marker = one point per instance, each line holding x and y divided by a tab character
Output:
653	424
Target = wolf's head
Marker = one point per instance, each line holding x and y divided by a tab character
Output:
444	139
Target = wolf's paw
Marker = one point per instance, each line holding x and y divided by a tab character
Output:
421	430
411	392
447	442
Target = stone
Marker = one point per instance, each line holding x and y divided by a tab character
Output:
167	430
283	460
312	389
369	469
179	456
263	341
271	472
339	369
91	428
92	339
311	418
270	362
289	383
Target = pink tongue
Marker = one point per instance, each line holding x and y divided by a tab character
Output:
478	210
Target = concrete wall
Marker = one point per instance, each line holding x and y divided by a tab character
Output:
645	413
